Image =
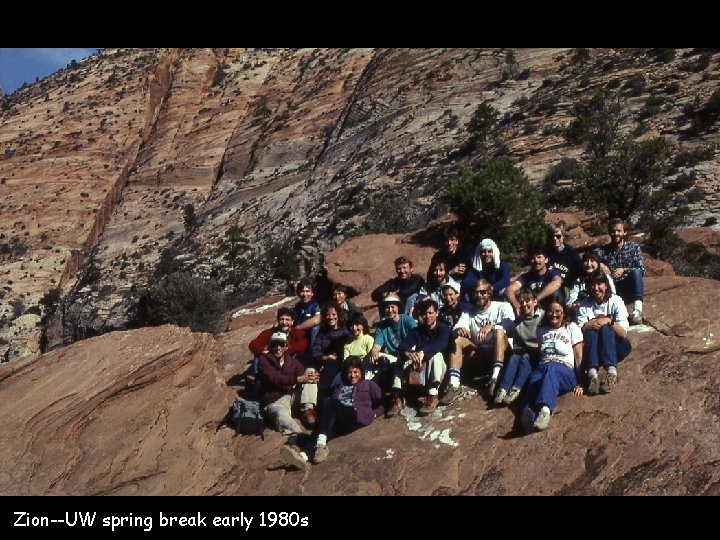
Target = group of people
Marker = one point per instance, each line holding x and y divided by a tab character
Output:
550	331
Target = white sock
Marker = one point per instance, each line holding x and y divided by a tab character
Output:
612	369
432	391
637	305
321	440
454	377
592	372
495	371
303	455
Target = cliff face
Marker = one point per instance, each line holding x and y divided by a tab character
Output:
289	145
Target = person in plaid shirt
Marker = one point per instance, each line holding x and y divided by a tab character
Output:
623	260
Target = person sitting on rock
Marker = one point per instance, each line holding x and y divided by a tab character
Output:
561	256
359	342
623	260
560	343
452	308
389	332
525	353
404	285
457	256
297	342
546	282
579	290
339	294
480	339
603	318
354	403
329	344
283	383
437	277
306	312
421	361
486	264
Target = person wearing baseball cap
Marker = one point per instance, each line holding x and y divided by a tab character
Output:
283	380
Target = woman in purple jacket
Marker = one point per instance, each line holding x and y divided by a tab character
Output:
355	403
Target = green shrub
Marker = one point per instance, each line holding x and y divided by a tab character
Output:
387	212
495	199
284	259
483	120
186	300
189	217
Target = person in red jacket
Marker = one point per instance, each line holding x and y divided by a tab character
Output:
280	378
297	342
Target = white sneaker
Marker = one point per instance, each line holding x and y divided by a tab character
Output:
292	457
636	317
512	395
500	396
542	420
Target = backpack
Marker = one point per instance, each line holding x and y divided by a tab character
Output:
246	417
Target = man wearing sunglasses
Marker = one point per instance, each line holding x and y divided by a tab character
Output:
480	340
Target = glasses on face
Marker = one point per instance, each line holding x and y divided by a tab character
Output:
482	292
557	235
277	344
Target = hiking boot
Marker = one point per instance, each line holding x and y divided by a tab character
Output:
542	420
610	381
512	395
321	453
527	419
594	386
395	406
500	398
636	317
308	417
451	392
430	403
294	458
491	387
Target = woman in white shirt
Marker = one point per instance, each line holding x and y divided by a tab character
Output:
560	344
603	318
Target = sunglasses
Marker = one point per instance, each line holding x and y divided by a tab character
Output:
482	292
557	235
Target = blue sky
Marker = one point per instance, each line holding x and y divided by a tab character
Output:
24	65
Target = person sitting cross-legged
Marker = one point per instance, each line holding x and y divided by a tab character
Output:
480	339
603	318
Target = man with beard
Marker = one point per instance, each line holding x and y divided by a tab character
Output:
480	339
623	260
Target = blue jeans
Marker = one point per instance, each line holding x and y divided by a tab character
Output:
630	287
517	371
547	382
603	347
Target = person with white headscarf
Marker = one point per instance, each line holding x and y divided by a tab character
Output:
486	265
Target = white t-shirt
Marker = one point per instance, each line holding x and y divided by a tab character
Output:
613	306
556	344
497	314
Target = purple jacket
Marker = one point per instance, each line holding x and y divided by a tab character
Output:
367	400
277	381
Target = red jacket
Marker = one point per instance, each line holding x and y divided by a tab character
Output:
275	380
297	342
